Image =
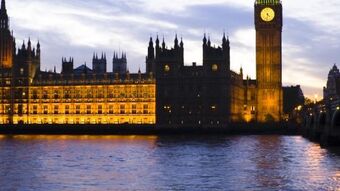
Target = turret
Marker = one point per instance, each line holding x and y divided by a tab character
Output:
29	46
3	16
119	64
204	40
38	49
150	59
176	42
163	44
99	65
67	66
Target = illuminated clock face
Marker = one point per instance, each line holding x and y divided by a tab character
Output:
267	14
166	68
214	68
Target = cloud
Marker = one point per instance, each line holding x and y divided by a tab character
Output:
78	28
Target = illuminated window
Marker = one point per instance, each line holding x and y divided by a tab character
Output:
134	109
100	109
100	94
35	94
21	71
35	109
89	94
45	94
56	94
67	94
78	109
56	109
45	109
78	95
167	68
214	68
88	109
145	109
111	109
67	109
122	109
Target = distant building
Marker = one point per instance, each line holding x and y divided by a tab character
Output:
331	93
293	99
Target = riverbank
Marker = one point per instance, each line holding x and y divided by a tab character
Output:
234	129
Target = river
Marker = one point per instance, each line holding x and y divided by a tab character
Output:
166	163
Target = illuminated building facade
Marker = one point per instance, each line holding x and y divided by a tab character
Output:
268	24
74	96
169	93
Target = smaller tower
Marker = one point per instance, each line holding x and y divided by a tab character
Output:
99	64
119	64
7	47
150	59
67	66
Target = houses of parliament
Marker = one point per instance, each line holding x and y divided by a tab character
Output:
169	93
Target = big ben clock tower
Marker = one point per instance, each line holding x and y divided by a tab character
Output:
268	23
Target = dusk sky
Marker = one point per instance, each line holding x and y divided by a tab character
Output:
77	28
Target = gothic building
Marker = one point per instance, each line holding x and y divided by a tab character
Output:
170	93
76	95
331	92
195	95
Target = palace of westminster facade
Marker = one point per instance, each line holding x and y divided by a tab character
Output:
169	93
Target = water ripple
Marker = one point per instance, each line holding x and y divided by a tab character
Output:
166	163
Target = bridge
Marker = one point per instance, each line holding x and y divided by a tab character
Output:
322	123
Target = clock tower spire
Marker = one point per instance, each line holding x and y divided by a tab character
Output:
268	24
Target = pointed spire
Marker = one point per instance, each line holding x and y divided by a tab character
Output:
3	5
3	16
151	42
163	43
224	39
23	45
182	44
176	41
29	43
205	39
38	45
209	42
157	40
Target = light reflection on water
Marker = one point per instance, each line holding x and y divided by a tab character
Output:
166	163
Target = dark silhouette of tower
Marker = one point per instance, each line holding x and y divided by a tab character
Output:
7	41
193	95
119	64
26	63
150	59
67	66
99	64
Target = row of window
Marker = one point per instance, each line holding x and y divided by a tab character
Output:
89	109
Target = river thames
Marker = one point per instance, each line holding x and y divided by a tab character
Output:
166	163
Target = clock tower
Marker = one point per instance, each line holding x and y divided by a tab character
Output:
268	24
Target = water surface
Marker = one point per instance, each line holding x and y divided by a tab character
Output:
166	163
